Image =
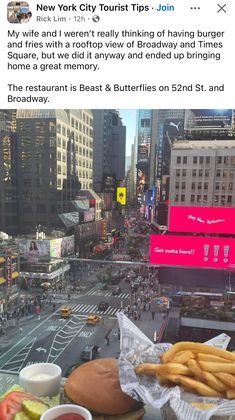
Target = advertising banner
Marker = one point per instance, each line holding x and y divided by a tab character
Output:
89	215
81	204
201	219
208	118
55	248
192	251
34	250
69	219
140	181
67	246
143	152
121	195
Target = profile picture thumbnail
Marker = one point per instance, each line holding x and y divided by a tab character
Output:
18	12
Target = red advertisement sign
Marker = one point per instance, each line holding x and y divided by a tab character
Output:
192	251
9	271
202	219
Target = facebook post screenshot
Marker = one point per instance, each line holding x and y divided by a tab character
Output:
117	209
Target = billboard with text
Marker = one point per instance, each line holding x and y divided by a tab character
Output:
201	219
192	251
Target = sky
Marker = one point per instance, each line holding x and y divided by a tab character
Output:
129	120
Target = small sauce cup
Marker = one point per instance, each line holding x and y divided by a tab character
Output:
59	410
41	379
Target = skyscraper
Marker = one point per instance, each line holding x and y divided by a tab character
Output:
42	165
43	155
109	150
8	172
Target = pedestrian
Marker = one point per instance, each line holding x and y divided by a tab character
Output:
115	335
107	340
153	315
21	330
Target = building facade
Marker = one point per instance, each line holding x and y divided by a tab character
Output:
9	275
46	157
203	173
8	172
109	150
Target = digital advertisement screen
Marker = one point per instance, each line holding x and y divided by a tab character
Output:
192	251
201	219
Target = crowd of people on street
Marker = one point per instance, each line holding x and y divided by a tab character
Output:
143	297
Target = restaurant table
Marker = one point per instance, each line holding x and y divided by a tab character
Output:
9	378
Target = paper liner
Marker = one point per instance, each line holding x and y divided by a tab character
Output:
136	348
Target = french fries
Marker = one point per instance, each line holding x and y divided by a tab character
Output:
227	379
218	367
211	358
184	356
148	369
198	348
196	367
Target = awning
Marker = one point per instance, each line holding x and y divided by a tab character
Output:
2	259
15	274
2	280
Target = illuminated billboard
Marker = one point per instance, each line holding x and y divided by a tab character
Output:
192	251
140	181
121	195
69	219
208	118
61	247
89	215
143	152
81	203
201	219
33	250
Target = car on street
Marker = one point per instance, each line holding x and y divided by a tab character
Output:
65	312
116	291
93	319
103	306
89	352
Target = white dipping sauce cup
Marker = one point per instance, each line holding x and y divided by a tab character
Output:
57	411
41	379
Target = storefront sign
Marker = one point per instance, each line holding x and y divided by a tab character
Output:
9	271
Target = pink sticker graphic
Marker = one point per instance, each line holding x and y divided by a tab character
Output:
202	219
192	251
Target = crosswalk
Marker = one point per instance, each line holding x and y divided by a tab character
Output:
95	292
89	309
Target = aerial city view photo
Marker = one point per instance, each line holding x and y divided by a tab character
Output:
117	236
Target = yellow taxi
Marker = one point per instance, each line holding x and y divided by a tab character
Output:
93	319
65	312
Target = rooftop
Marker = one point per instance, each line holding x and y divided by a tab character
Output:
204	144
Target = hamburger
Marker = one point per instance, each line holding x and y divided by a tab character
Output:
95	385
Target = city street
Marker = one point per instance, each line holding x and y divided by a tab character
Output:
58	340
